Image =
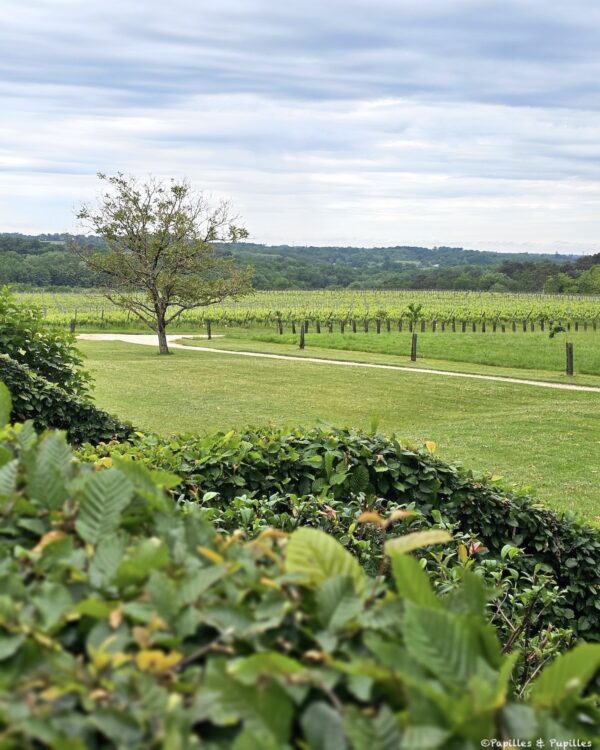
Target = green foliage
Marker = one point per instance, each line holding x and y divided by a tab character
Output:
42	370
27	260
48	405
161	633
50	354
159	258
270	477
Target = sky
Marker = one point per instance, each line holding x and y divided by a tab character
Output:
471	123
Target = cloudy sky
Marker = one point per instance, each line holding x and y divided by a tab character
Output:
379	122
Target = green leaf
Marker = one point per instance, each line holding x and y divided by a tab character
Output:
359	479
5	405
419	539
200	581
412	582
323	728
106	560
318	556
424	738
10	644
268	663
52	601
566	676
98	609
438	641
8	477
337	602
104	496
381	732
261	707
472	596
164	595
150	554
48	481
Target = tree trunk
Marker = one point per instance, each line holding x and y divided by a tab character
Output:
161	330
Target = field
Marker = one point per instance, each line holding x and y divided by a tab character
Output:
447	309
531	436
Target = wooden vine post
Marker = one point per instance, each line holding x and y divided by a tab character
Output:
569	358
413	348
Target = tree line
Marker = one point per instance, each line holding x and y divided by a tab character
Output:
45	261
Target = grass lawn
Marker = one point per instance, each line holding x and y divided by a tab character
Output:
232	342
531	436
530	351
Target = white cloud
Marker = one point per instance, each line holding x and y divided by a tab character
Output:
331	122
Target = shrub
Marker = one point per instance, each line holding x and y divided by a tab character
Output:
271	474
127	622
49	405
51	354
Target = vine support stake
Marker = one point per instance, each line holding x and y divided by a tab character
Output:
569	358
413	348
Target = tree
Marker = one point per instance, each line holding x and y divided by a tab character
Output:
160	259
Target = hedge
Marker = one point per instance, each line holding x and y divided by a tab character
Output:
276	472
25	338
49	405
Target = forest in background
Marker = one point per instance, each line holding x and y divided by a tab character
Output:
34	261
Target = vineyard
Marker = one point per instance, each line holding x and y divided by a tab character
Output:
348	310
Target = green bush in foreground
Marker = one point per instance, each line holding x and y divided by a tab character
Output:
126	621
326	477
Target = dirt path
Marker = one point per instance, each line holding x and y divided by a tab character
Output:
150	340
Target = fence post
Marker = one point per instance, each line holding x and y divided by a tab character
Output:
413	348
301	345
569	359
209	328
72	325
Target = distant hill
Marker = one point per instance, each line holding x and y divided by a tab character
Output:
43	260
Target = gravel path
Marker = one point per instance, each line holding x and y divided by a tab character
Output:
150	340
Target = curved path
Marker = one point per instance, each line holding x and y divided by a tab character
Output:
150	340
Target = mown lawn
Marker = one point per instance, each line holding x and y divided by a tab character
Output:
530	351
233	341
531	436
